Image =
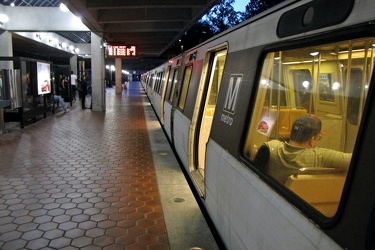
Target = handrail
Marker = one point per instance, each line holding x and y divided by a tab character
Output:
320	171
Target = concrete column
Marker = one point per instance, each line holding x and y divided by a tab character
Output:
73	64
97	73
6	49
118	73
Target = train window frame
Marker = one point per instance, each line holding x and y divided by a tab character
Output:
315	214
185	83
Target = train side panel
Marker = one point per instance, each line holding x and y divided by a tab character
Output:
243	207
249	215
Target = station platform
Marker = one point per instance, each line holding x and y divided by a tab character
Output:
97	180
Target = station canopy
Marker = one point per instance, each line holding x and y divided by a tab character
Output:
153	26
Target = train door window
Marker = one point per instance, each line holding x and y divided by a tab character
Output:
172	81
325	88
302	88
354	97
305	119
156	82
162	81
152	81
185	87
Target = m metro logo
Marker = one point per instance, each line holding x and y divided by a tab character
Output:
231	98
232	93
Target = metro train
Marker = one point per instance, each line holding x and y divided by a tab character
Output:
220	101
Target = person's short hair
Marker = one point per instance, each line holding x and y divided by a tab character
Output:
304	128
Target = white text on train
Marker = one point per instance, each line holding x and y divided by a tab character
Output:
226	119
232	93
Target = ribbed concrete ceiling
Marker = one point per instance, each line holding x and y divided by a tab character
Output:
151	25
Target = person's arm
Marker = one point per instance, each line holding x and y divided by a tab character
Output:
335	159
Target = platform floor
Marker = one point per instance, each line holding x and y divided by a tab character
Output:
96	180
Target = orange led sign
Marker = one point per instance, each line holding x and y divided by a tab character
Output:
121	51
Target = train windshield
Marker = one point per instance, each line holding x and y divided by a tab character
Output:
306	117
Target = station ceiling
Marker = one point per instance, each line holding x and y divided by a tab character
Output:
153	26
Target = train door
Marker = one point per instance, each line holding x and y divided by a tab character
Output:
205	109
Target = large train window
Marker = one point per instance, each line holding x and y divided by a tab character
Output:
306	116
185	87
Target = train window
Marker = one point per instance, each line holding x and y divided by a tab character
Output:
306	116
185	87
172	84
159	82
156	82
325	88
162	81
152	81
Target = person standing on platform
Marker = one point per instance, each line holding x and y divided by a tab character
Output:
64	85
83	92
73	82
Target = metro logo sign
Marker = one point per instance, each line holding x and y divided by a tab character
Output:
232	93
231	98
121	51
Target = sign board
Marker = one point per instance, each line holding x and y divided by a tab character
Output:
121	51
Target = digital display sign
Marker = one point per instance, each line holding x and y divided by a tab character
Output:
121	51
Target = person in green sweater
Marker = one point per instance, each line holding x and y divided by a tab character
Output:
286	158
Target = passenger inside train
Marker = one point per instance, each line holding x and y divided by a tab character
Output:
287	158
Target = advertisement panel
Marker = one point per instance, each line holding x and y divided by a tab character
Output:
44	78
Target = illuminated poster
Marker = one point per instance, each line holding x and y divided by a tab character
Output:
44	78
121	51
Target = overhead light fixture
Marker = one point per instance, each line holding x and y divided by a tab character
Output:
12	4
77	20
314	53
3	19
76	50
63	7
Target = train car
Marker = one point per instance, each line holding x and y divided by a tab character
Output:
245	89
